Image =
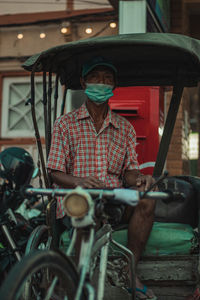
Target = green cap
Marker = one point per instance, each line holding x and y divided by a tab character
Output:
97	61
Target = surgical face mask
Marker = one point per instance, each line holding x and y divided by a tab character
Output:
98	92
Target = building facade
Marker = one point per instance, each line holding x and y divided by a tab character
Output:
29	27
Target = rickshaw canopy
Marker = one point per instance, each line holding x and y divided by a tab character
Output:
141	59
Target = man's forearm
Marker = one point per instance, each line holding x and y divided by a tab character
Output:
63	180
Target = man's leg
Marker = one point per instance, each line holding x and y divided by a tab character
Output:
140	220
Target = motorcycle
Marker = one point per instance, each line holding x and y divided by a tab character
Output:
16	171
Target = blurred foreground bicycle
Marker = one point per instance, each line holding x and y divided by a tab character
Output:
51	274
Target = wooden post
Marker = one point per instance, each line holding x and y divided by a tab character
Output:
70	5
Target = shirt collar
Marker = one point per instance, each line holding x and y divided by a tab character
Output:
110	118
83	112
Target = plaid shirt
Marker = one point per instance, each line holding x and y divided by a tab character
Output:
77	148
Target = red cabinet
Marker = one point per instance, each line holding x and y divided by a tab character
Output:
143	107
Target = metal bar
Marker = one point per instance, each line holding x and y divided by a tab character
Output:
101	240
63	192
104	229
64	100
49	112
55	99
51	288
45	109
37	134
93	192
11	241
91	293
168	129
72	243
132	265
84	260
102	269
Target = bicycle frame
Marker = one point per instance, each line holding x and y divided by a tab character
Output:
91	244
94	241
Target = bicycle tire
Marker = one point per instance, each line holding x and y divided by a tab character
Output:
38	239
36	265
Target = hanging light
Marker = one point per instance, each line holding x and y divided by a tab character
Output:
20	36
113	25
64	30
65	27
88	30
42	35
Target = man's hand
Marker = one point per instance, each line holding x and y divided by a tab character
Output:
134	179
143	182
89	182
68	181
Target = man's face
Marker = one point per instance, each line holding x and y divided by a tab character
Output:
100	74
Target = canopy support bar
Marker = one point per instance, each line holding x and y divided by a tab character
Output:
37	134
168	129
45	109
55	99
49	113
64	101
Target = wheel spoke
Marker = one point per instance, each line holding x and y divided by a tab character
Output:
41	275
51	288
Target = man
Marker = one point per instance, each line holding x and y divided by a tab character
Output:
93	147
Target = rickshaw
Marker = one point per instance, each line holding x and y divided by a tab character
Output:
149	59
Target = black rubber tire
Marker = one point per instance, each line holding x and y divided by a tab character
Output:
35	264
38	238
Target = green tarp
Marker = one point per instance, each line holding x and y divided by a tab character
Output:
165	239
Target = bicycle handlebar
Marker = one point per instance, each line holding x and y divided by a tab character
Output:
126	196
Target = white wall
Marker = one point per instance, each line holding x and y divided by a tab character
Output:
31	6
91	4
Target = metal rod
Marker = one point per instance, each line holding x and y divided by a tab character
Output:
49	112
11	241
101	239
64	100
91	293
37	134
84	261
55	99
63	192
72	243
102	269
45	109
132	265
168	130
93	192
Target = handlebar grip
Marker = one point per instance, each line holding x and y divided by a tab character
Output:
132	197
127	196
174	196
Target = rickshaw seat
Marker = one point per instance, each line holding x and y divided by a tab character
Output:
184	208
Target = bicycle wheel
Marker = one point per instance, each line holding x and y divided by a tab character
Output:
52	276
38	239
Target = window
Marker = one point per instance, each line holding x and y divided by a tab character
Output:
16	115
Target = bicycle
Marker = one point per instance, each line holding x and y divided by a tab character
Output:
51	274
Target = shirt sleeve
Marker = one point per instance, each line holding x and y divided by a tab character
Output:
58	153
130	161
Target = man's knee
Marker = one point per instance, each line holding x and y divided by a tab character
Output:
147	207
